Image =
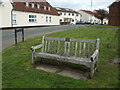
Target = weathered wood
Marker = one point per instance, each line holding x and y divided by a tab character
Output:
74	50
58	39
83	40
58	51
37	47
43	43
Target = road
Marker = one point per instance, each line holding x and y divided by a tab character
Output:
8	35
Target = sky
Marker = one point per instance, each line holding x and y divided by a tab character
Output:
81	4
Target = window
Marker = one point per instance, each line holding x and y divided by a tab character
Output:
73	20
64	13
27	4
32	18
49	19
77	15
60	20
69	14
46	19
45	8
38	6
48	8
32	5
60	13
72	14
14	19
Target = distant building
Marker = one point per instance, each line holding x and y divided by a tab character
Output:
88	17
20	14
114	13
68	16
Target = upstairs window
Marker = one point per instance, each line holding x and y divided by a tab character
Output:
33	5
72	14
45	8
14	19
27	4
38	6
32	18
48	8
69	14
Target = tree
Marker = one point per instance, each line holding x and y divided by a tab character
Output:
101	14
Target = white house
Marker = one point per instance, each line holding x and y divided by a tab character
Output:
19	14
68	16
88	17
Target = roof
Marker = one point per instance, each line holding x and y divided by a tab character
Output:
66	10
87	11
116	1
21	6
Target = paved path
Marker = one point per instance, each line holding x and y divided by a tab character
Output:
8	35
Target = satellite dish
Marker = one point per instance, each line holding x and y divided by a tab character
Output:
1	1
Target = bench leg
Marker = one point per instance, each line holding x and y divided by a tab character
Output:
92	70
33	58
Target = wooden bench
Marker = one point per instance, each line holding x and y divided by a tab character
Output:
78	51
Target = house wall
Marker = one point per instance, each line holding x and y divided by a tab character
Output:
114	14
5	16
22	19
75	18
85	17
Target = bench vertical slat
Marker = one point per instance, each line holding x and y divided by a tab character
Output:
65	48
84	47
88	50
43	43
72	48
46	45
55	47
68	48
49	46
76	48
80	50
58	51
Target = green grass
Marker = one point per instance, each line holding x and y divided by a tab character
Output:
104	26
19	73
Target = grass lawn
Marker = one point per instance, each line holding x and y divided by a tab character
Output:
19	73
104	26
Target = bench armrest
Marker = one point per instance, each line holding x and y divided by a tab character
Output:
95	54
36	47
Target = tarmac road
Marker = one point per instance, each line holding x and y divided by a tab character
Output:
8	36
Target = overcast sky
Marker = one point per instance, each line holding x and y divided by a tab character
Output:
81	4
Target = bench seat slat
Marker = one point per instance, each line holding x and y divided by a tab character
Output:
76	60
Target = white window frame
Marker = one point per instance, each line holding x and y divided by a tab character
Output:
45	8
27	4
50	19
32	18
14	19
38	6
46	18
33	5
49	8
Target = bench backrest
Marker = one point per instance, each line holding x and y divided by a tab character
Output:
70	47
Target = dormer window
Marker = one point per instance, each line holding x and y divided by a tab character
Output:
48	8
33	5
27	4
38	6
45	8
